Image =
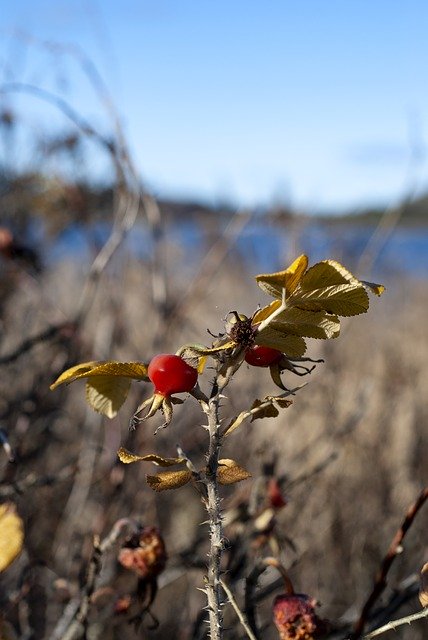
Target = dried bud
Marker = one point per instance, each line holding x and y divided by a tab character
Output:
276	499
123	604
423	592
295	618
144	553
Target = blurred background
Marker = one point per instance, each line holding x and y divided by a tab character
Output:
154	156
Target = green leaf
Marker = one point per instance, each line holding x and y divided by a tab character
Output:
127	457
11	534
230	472
168	480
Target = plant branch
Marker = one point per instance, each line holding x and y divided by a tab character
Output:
78	621
215	522
397	623
241	616
394	549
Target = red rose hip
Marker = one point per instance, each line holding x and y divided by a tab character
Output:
259	356
171	374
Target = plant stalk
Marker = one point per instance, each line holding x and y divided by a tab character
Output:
213	586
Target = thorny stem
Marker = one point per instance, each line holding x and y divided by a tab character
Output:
213	584
215	522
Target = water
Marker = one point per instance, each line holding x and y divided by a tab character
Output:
265	247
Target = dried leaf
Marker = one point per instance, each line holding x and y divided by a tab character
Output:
11	534
283	403
168	480
127	457
293	346
310	324
133	370
329	286
259	409
342	299
106	394
263	409
230	472
378	289
274	283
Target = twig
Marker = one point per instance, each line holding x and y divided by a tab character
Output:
239	613
251	585
29	343
394	549
78	621
397	623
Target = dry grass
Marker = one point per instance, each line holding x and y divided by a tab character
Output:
365	407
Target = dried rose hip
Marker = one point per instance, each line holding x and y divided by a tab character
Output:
295	618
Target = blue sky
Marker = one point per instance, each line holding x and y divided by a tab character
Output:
315	103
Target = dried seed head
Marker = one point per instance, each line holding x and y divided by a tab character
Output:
295	618
240	329
144	553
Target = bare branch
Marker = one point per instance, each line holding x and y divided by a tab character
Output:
394	549
397	623
239	613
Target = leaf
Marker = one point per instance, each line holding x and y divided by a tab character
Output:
283	403
127	457
292	346
378	289
341	300
106	394
230	472
168	480
11	534
259	409
133	370
73	373
274	283
310	324
263	409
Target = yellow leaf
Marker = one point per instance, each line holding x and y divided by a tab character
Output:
341	299
292	346
378	289
127	457
326	274
310	324
230	472
168	480
106	394
133	370
274	283
265	312
11	534
71	374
